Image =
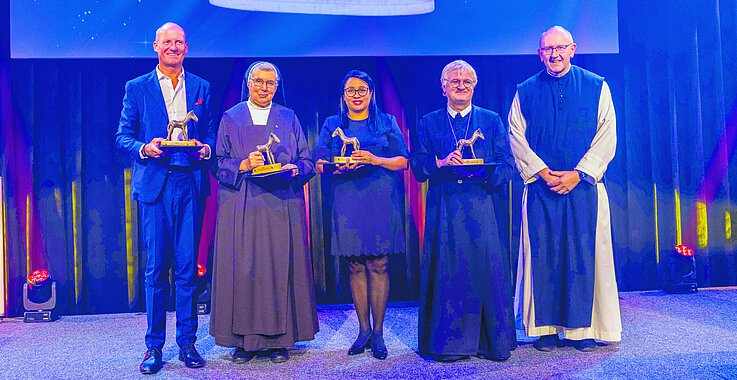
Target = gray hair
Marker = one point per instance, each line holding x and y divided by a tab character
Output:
169	25
459	65
558	29
265	66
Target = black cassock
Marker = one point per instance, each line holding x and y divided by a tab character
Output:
466	300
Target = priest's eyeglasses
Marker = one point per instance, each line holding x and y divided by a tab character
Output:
270	84
457	82
351	92
558	49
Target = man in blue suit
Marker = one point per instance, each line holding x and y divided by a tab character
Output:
170	188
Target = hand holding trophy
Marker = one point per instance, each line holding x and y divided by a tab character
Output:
177	136
343	163
270	164
466	167
343	159
462	143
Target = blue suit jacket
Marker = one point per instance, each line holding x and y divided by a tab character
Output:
144	117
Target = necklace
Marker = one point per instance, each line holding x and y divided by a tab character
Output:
452	130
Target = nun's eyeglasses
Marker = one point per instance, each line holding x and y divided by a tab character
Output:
270	84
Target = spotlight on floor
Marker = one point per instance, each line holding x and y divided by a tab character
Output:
39	297
203	291
681	271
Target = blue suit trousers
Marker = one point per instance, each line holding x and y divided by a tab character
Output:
171	226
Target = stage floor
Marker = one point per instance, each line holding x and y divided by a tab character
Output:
665	336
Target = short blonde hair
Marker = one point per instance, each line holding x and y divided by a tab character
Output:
459	65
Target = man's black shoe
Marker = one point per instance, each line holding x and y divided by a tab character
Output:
191	357
152	362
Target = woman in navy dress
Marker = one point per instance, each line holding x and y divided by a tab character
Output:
366	201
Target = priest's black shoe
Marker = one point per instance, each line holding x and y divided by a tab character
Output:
152	362
493	358
546	343
360	345
378	348
449	358
191	358
279	355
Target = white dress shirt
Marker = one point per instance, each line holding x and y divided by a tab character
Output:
175	100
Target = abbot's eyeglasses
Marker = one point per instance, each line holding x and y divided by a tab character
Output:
558	49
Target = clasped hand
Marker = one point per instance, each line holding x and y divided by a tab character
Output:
561	182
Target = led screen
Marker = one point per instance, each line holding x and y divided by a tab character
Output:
299	28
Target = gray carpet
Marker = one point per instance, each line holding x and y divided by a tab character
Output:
665	337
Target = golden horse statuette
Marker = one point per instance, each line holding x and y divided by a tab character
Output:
469	143
179	139
265	149
342	159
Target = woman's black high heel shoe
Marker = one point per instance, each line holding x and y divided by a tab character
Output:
378	348
360	345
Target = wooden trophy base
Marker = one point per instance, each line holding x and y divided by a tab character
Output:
468	170
266	169
178	145
472	161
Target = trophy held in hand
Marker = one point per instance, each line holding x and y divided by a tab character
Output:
343	159
176	134
271	165
469	143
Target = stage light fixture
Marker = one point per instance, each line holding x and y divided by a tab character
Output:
203	291
39	297
681	271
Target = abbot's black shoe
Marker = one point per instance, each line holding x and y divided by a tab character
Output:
279	355
585	345
378	348
360	345
152	362
191	357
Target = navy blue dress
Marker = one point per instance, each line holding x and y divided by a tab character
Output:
366	204
466	288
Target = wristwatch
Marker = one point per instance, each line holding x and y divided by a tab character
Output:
585	177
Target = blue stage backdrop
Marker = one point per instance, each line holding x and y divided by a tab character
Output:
674	84
124	29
